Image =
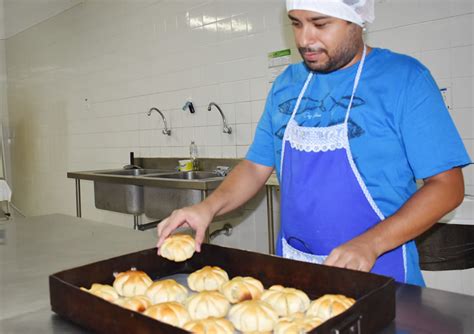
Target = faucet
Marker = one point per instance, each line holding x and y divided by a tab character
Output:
189	105
165	131
227	129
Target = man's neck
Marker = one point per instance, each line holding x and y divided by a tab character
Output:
358	56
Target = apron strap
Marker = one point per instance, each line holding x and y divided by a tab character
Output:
356	83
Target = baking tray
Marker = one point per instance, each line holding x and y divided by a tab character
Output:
373	310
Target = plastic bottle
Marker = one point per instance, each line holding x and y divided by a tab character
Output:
193	153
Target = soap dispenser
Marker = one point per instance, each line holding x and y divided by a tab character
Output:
193	153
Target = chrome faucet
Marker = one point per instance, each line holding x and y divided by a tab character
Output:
165	131
227	129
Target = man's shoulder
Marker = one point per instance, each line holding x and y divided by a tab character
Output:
396	63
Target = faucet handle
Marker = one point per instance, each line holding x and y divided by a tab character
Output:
227	129
222	170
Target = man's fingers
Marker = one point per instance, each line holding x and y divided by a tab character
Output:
169	225
200	233
161	233
331	259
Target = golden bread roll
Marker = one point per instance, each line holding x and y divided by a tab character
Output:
329	306
132	283
178	247
253	316
103	291
286	301
242	288
167	290
210	326
172	313
208	278
135	303
207	304
296	323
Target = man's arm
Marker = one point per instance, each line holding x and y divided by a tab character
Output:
440	194
242	183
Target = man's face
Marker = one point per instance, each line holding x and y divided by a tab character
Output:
325	43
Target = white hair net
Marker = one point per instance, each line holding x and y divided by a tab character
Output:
357	11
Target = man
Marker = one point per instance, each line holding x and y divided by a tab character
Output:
349	130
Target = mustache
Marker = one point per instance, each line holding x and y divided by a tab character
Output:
311	49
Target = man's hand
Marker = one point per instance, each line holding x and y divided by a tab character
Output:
355	254
198	217
440	194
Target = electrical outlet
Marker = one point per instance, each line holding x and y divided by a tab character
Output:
446	93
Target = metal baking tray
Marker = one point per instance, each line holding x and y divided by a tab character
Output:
375	295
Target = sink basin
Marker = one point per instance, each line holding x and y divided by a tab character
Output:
193	175
161	201
121	197
131	172
124	198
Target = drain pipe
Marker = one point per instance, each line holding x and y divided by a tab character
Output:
146	226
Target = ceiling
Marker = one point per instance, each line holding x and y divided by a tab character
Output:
19	15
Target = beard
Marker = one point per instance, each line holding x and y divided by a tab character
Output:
342	55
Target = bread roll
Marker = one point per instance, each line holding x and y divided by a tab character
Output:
210	326
329	306
172	313
253	316
242	288
207	304
297	323
135	303
207	279
167	290
103	291
132	283
178	247
286	301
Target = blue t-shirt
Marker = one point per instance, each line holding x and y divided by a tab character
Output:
399	127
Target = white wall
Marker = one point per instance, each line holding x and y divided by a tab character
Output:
126	56
23	14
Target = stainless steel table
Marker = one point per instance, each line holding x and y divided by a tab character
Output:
34	248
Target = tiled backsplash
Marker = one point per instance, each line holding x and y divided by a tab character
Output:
127	56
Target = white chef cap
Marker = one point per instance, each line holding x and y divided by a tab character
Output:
357	11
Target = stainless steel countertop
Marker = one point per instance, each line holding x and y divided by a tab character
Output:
31	249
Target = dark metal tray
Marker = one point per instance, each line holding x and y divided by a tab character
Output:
373	310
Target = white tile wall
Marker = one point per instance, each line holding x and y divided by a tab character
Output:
127	56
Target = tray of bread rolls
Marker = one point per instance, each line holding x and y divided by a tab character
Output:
220	290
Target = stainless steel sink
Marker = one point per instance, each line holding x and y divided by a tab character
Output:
121	197
161	201
124	198
154	201
123	190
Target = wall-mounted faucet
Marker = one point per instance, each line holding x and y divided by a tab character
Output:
189	105
227	129
165	131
